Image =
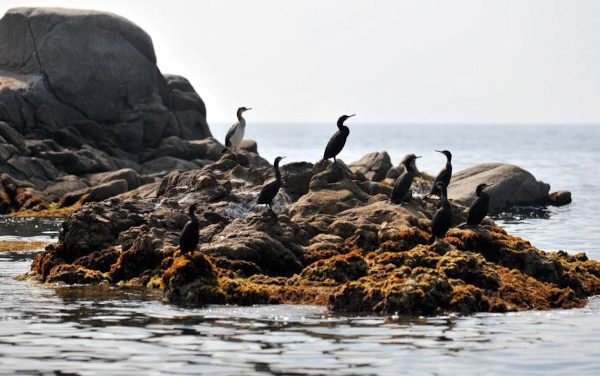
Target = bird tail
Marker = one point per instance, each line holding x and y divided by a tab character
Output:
432	239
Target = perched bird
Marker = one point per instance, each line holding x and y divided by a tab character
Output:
480	207
442	219
405	180
235	134
188	241
444	175
338	140
269	190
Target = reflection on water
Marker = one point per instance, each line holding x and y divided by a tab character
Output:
100	330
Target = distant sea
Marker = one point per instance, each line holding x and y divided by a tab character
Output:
565	156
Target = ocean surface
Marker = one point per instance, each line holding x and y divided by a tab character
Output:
91	330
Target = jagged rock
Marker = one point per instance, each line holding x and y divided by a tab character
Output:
374	166
511	186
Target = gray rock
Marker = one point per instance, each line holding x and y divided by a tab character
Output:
92	80
559	198
374	166
7	151
106	190
63	186
164	165
511	186
143	191
249	145
13	137
132	178
38	171
296	177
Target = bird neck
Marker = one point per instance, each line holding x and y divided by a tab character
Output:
241	119
409	167
277	173
193	217
343	129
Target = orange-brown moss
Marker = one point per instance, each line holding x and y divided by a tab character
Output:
472	270
50	210
20	245
74	274
336	269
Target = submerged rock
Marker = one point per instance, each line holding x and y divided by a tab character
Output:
338	244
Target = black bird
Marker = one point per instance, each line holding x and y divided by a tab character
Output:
269	190
444	175
405	180
480	207
442	219
338	140
188	241
235	134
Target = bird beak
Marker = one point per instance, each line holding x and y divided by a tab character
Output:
351	115
249	108
419	156
283	157
439	151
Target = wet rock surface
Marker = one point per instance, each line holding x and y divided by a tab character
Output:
333	243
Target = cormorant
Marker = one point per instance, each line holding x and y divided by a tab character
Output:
188	241
442	219
338	140
269	190
480	207
405	180
444	175
235	134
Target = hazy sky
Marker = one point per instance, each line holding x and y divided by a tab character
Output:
420	61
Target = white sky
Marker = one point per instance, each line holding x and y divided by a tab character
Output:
505	61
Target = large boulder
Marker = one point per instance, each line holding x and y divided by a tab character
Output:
511	186
374	166
80	93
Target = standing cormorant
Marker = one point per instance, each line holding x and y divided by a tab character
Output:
444	175
442	219
480	207
235	134
269	190
405	180
188	241
338	140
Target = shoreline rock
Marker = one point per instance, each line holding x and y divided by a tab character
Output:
339	244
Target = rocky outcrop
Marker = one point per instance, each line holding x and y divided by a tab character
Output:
341	243
81	94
